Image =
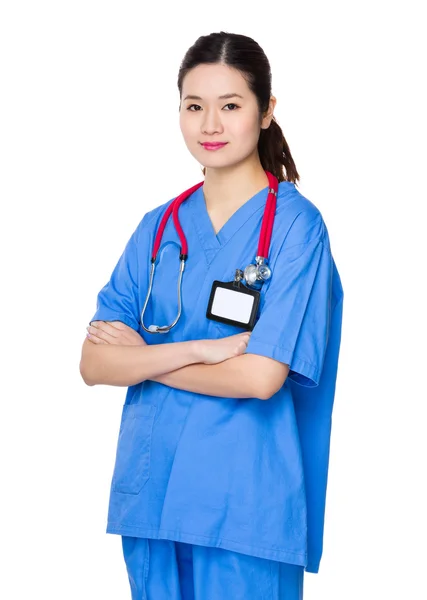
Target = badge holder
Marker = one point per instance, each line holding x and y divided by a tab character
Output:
233	303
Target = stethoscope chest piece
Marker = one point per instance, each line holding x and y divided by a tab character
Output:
254	275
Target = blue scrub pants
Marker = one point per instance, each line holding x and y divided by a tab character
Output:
168	570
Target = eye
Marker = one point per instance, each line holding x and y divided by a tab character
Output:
229	104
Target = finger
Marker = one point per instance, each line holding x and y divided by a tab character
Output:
241	347
100	334
119	325
107	327
244	336
122	332
95	340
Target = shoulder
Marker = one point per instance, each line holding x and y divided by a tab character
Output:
299	220
151	219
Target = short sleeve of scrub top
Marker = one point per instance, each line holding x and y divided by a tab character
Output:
294	321
118	300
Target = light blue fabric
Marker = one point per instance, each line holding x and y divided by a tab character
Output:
244	475
167	570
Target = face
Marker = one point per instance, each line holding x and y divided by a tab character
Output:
206	117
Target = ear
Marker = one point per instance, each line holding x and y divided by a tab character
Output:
266	120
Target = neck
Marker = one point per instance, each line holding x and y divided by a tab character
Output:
232	186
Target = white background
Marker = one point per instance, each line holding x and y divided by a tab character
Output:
90	141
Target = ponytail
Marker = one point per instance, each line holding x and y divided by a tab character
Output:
275	155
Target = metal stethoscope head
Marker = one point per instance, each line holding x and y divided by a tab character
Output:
254	275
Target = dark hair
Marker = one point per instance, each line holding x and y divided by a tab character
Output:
244	54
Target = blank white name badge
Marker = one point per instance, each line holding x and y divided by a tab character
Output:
233	303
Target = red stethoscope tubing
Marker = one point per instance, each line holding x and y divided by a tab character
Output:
266	226
268	218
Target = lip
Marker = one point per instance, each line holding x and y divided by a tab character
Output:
212	145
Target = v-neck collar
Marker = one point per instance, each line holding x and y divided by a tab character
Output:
203	224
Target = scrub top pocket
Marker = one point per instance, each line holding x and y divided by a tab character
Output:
132	467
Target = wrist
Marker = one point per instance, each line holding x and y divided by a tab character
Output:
195	351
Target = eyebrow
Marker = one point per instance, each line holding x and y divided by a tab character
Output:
223	97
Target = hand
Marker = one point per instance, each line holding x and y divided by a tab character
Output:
115	333
216	351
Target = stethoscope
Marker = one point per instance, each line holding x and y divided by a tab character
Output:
253	275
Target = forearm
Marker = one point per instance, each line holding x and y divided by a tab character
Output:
228	379
128	365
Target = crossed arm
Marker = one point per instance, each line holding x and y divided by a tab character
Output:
244	376
230	378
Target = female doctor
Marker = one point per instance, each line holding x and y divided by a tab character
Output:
222	318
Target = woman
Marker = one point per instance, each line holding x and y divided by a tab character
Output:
219	483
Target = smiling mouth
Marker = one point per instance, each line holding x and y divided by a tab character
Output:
213	144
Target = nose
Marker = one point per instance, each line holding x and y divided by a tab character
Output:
211	123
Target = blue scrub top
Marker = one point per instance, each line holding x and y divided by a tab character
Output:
245	475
